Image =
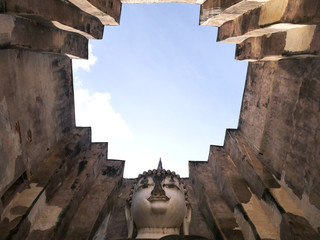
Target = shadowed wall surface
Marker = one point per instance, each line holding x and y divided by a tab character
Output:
262	184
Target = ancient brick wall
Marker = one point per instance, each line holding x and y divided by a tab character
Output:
262	184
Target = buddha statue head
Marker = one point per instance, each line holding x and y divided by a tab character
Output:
158	205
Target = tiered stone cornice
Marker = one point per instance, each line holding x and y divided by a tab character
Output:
26	33
61	27
162	1
107	11
266	29
262	184
67	15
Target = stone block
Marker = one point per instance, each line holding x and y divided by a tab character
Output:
91	208
69	16
24	33
211	8
214	208
110	7
280	41
230	183
251	169
232	16
294	227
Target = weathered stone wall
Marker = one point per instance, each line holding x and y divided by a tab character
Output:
280	118
36	107
37	40
262	184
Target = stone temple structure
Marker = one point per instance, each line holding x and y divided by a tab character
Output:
263	183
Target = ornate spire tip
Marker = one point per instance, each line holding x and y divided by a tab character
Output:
160	165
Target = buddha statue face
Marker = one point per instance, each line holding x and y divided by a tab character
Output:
158	205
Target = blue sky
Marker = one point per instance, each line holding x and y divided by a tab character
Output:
159	85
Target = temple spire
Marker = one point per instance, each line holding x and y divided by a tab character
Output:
159	165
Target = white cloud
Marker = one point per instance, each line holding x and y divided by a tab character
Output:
96	111
84	64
